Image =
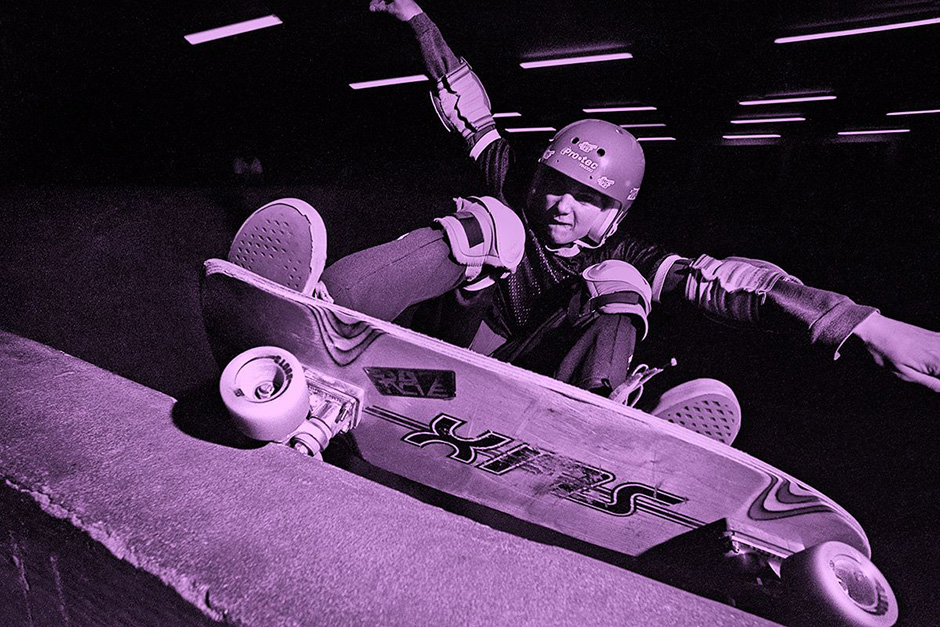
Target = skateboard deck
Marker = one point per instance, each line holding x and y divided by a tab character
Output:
517	442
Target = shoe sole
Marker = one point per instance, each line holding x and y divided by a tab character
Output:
285	242
706	406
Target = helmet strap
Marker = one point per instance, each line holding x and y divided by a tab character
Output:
566	251
605	226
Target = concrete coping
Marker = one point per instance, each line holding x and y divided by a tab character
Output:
114	514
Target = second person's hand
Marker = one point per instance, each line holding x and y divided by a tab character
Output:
404	10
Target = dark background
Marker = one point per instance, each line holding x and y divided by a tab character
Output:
117	139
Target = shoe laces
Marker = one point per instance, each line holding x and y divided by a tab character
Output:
629	392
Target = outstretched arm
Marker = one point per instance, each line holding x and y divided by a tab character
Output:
749	292
458	95
439	59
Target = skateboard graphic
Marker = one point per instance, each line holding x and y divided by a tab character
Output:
300	371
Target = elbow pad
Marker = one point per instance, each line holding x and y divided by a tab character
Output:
461	103
732	290
616	287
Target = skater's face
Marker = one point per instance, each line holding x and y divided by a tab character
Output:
565	209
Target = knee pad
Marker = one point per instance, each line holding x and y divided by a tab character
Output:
616	287
733	289
487	237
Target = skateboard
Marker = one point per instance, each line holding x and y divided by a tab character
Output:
302	371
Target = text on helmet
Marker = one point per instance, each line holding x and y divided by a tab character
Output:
583	161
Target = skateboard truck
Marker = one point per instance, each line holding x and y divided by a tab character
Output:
272	397
335	407
830	583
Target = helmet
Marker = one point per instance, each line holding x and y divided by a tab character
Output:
604	157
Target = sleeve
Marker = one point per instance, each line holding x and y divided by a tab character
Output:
825	318
439	59
497	164
657	264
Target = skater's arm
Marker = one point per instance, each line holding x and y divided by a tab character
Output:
832	320
746	292
742	292
439	59
458	95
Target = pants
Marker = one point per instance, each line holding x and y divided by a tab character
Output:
592	351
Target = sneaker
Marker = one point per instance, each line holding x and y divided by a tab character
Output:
706	406
285	242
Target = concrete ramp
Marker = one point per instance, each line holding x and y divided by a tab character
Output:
112	514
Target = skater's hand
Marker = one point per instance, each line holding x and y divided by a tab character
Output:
404	10
909	352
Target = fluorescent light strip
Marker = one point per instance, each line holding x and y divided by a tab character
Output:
748	103
656	139
530	129
617	109
876	132
856	31
767	120
657	125
508	114
385	82
763	136
594	58
914	112
232	29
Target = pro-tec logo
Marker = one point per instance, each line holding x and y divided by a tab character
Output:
587	147
588	164
633	193
605	182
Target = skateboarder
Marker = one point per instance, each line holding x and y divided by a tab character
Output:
537	272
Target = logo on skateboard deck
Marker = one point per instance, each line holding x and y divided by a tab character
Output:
555	474
782	499
413	382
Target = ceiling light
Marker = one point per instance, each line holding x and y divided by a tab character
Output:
232	29
617	109
761	136
656	139
785	100
914	112
530	129
594	58
385	82
767	120
508	114
656	125
876	132
856	31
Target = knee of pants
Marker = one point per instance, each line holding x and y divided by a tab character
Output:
602	353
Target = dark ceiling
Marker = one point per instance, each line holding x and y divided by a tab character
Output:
116	82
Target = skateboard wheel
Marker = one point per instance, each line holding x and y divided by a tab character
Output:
835	584
265	391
